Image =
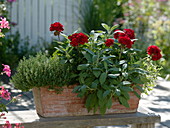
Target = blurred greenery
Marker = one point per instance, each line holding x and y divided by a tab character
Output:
95	12
13	48
151	21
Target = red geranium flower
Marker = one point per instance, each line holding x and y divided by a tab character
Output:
118	33
156	57
154	51
125	41
109	42
78	38
130	33
57	27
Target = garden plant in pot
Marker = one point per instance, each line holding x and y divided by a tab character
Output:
97	73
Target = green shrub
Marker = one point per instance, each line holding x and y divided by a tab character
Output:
40	71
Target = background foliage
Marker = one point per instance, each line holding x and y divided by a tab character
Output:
95	12
151	22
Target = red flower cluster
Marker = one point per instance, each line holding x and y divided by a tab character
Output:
155	52
57	27
124	37
130	33
125	41
77	39
109	42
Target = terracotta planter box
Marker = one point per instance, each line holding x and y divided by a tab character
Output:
50	104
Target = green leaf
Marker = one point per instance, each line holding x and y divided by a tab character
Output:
103	109
106	26
76	88
122	62
81	80
126	95
88	100
109	103
89	51
105	65
83	88
103	77
81	94
137	81
138	70
126	88
117	92
137	94
126	83
124	101
100	94
65	36
82	66
108	57
139	88
125	74
100	31
96	35
94	58
113	75
106	87
106	93
94	85
89	80
115	69
124	66
96	73
114	27
88	56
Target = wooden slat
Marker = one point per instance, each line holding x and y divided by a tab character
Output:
35	16
41	19
34	20
75	14
69	18
14	15
56	11
28	11
48	18
21	17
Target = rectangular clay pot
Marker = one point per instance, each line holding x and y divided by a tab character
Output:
50	104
